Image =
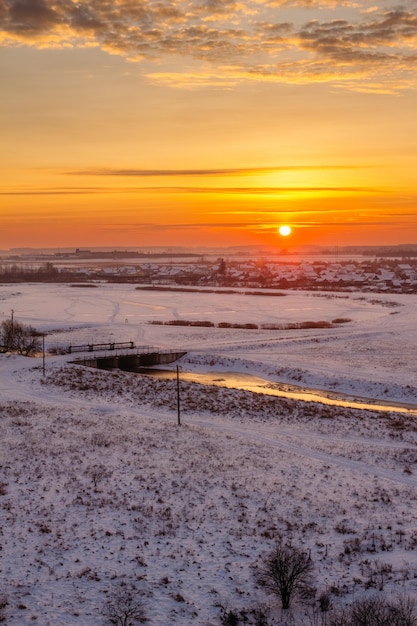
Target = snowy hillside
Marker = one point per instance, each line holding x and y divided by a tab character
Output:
100	487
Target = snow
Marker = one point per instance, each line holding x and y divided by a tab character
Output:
184	513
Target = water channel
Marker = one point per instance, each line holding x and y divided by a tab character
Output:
248	382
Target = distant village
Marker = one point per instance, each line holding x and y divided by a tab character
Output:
378	276
367	275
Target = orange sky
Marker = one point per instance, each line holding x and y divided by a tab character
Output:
207	123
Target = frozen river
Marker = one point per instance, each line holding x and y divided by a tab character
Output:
247	382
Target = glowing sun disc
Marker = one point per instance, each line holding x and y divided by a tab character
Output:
284	230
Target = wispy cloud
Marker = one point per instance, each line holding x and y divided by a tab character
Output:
230	41
255	191
167	226
261	190
254	226
217	172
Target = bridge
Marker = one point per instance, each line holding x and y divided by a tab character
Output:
131	362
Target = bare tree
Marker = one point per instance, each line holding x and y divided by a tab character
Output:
98	473
6	335
20	337
124	607
285	572
26	340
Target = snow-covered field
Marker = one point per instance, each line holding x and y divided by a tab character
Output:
100	486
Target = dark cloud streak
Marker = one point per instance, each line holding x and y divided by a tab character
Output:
191	190
242	171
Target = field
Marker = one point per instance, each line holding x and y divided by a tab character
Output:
101	488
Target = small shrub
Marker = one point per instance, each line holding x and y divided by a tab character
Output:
343	528
98	473
377	611
3	604
325	602
179	598
230	618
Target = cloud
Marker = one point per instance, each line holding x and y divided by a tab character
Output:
259	226
255	191
372	41
183	172
29	16
229	41
310	4
260	190
242	171
188	226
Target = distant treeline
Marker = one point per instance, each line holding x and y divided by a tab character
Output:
126	254
208	290
250	326
13	273
395	252
401	250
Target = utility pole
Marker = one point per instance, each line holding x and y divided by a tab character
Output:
43	354
10	338
178	396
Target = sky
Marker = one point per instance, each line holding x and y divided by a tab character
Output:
207	123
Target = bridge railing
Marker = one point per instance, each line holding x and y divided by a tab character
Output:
99	347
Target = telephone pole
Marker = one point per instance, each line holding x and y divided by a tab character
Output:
178	396
43	354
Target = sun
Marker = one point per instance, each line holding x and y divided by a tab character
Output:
284	230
